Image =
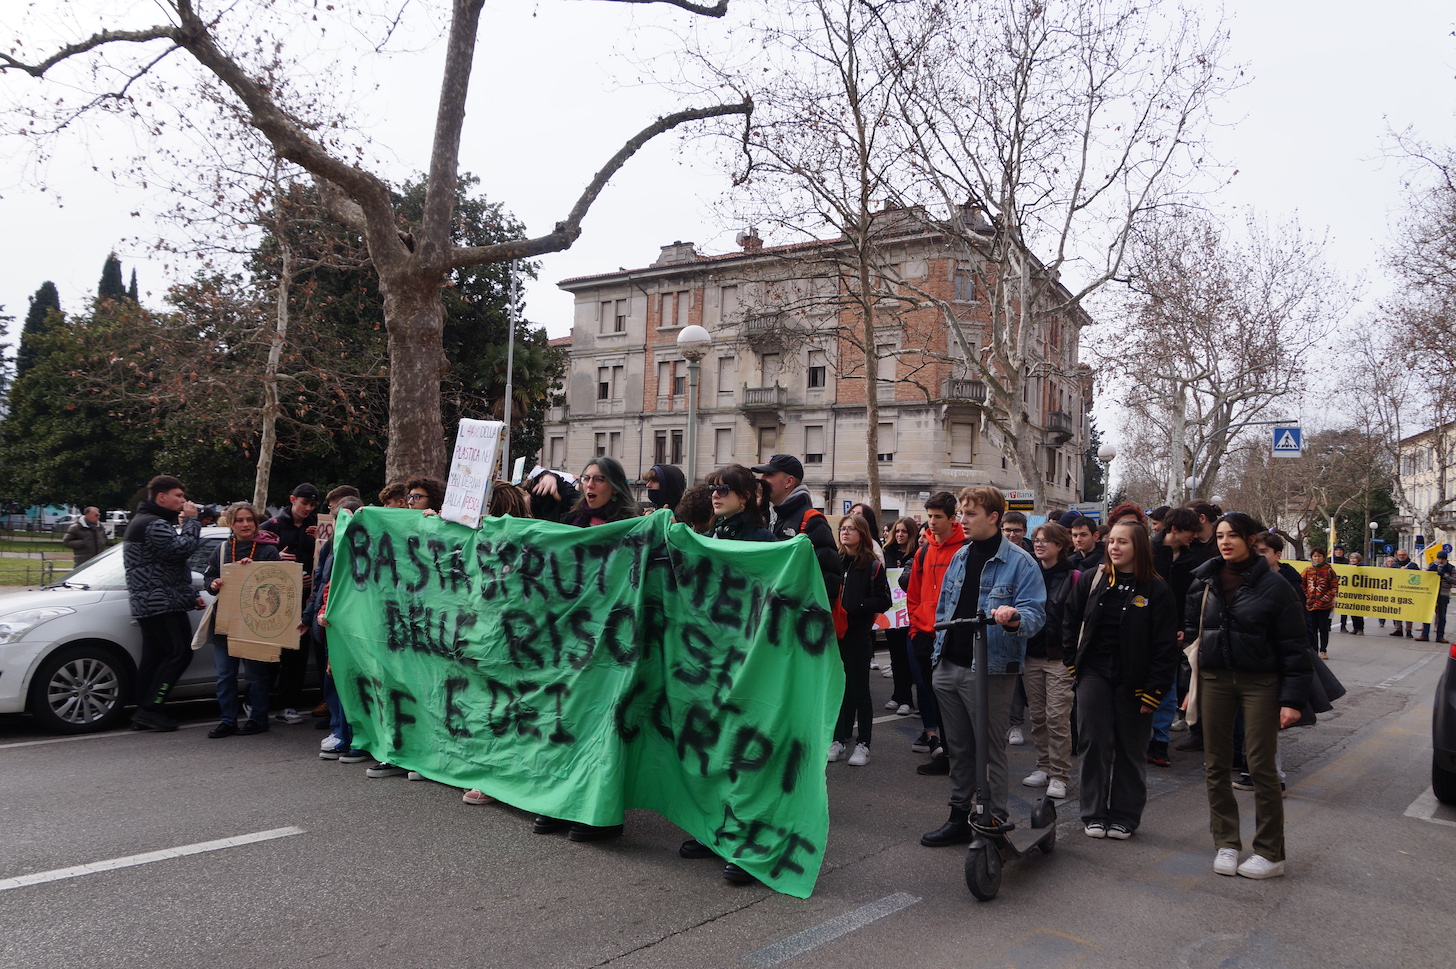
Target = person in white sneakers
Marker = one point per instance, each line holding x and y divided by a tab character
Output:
1049	684
864	593
1253	658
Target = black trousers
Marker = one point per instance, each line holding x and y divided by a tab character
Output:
166	651
1114	734
898	643
854	650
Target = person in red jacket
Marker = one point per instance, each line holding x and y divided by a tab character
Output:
1320	587
944	538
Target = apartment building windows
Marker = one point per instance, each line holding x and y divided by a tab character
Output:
612	316
818	370
667	447
768	442
814	444
722	446
962	444
727	377
886	443
609	383
673	308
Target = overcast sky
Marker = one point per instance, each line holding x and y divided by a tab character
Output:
549	103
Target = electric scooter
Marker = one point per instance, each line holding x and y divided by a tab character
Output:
996	843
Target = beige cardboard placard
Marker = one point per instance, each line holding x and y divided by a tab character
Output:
265	599
246	650
227	600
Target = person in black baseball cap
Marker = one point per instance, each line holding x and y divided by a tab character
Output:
794	512
296	529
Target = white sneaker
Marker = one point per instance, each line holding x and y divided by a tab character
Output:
836	751
291	715
415	775
1056	788
860	757
891	705
330	743
1015	737
1179	725
903	710
887	673
1036	779
1260	867
1226	862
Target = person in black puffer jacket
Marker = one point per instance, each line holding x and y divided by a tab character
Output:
1120	638
159	586
1253	657
793	512
864	592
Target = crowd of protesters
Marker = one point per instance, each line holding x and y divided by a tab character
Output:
1105	637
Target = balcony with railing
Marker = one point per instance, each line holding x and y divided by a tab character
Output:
963	388
1059	426
758	399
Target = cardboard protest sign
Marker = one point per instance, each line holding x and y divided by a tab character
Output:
258	608
579	673
1405	595
472	469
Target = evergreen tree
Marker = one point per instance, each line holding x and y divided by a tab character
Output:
131	291
37	322
1092	470
111	286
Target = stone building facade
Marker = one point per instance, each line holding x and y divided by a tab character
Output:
787	373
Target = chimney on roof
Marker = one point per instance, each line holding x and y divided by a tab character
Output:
749	239
678	252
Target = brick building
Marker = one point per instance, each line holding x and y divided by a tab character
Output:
787	373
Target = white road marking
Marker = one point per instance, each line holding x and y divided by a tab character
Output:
96	736
1424	808
1388	683
111	864
802	942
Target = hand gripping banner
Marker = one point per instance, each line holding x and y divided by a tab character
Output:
581	672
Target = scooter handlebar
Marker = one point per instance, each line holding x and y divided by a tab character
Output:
979	619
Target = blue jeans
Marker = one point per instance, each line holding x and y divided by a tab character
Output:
1166	713
1441	603
256	672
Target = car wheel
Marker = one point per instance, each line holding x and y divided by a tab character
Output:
1443	783
82	688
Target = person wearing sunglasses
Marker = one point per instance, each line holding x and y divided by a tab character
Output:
739	503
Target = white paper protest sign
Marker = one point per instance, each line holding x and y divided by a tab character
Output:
472	468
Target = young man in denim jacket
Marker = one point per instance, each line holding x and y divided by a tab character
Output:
1008	587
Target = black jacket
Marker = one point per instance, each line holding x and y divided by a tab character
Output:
792	517
1089	560
1149	632
158	578
1260	631
865	591
293	537
1047	643
737	528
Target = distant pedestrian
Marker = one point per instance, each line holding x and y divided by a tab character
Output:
1320	588
1402	560
86	538
1443	568
159	586
1357	621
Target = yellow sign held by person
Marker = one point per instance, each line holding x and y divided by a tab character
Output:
1404	595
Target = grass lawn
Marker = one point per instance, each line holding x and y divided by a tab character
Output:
28	571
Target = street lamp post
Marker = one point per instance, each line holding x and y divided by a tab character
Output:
1105	454
1374	527
693	342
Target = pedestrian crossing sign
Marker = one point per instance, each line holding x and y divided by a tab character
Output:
1288	442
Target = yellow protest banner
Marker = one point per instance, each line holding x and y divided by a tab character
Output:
1405	595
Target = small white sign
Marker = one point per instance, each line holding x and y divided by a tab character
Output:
472	468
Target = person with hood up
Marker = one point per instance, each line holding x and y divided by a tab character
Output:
665	485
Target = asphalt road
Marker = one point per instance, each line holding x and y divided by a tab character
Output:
319	866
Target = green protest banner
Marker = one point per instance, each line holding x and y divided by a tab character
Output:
578	673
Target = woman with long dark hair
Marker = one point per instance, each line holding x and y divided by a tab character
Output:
900	554
605	495
863	593
1120	639
1253	658
738	505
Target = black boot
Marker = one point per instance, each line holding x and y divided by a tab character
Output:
955	831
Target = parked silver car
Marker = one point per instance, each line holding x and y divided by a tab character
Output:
69	652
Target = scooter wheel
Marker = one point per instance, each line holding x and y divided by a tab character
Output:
983	871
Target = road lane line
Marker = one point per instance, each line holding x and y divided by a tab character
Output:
802	942
129	861
126	732
1424	808
1388	683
